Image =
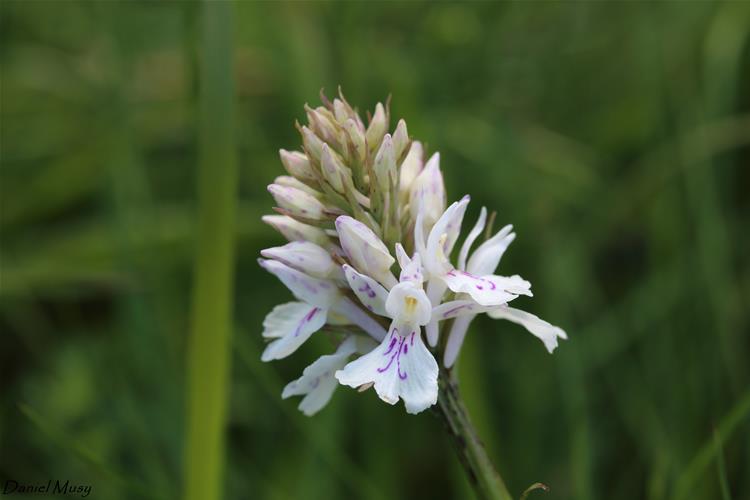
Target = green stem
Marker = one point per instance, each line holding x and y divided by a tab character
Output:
209	343
482	475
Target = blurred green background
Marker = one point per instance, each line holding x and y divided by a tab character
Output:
613	136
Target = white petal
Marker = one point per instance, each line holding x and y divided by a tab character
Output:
473	234
407	303
458	308
435	291
320	395
443	236
456	339
367	253
315	291
318	383
538	327
283	318
306	257
368	291
356	315
296	322
411	269
399	367
489	290
485	259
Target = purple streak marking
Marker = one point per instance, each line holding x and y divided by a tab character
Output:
452	310
308	317
396	354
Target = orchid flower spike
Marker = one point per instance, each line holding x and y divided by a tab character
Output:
368	259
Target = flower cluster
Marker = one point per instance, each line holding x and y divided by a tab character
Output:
355	196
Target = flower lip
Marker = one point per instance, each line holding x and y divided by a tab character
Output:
409	304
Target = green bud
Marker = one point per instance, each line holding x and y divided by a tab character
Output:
357	138
400	140
333	169
377	128
313	144
384	166
324	124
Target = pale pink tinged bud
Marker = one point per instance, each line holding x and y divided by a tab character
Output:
384	166
297	202
333	169
400	139
294	230
307	257
410	169
377	128
288	181
357	138
366	252
313	144
297	164
323	123
428	193
342	110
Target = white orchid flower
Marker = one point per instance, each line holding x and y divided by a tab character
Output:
401	366
485	289
291	324
378	185
471	301
318	383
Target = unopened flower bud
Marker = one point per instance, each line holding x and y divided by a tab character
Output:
400	140
357	138
367	253
297	202
288	181
342	110
377	128
410	169
294	230
384	166
313	144
428	193
333	169
323	123
307	257
297	164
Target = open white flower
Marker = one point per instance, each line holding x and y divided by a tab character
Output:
317	382
354	194
472	296
485	289
293	323
401	366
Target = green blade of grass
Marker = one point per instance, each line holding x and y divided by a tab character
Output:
209	345
708	452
